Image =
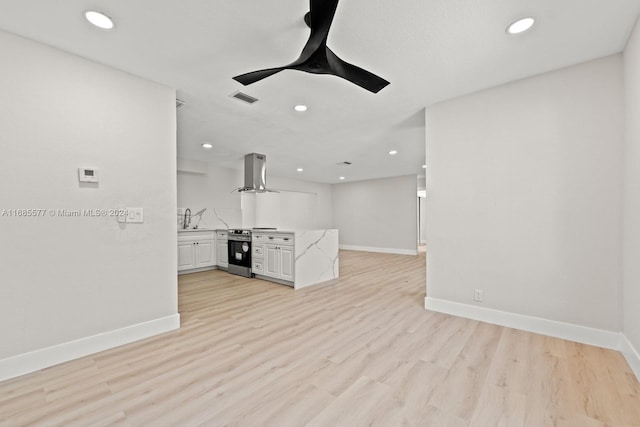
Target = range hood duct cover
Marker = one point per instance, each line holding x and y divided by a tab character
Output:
255	174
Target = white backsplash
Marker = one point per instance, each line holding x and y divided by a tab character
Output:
211	218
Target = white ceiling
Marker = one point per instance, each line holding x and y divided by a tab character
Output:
430	50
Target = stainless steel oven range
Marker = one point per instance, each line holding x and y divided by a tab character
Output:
239	249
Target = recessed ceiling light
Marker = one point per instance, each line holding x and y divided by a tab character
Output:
299	169
424	166
342	178
300	107
99	19
393	152
207	145
521	25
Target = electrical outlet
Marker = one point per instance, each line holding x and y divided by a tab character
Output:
478	295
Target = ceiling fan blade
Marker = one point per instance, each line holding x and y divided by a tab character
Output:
317	58
254	76
321	13
356	75
319	19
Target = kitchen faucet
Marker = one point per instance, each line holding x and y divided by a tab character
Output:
187	218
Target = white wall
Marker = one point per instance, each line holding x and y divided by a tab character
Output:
422	219
299	205
631	207
201	185
377	215
524	196
70	278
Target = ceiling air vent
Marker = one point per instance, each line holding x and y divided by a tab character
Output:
243	97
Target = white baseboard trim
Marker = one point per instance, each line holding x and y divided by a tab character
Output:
43	358
199	270
379	250
538	325
631	354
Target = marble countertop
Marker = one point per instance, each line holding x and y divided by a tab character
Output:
187	230
303	230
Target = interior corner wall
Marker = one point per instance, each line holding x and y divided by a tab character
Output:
73	283
524	196
378	215
631	193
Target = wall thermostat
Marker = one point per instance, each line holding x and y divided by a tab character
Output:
88	174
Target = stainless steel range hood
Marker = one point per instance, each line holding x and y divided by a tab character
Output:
255	174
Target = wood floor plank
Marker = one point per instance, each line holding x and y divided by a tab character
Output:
499	407
365	402
461	391
413	385
360	350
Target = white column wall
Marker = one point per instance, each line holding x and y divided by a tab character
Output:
631	212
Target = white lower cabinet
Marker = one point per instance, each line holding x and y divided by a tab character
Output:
257	257
222	252
205	254
271	261
196	250
276	257
186	255
287	262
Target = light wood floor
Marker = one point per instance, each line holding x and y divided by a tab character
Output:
360	350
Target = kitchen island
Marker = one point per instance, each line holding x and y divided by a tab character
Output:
297	258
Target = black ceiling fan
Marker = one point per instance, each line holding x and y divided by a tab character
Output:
317	58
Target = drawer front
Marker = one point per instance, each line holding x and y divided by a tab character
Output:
222	235
258	251
258	267
195	236
259	238
285	239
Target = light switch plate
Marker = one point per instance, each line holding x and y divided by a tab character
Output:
135	215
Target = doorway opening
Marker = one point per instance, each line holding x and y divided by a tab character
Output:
422	236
